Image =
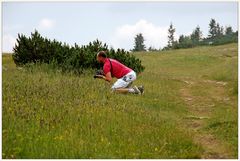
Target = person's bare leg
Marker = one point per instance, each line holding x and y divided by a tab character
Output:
133	90
122	90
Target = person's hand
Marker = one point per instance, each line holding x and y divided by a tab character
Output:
99	74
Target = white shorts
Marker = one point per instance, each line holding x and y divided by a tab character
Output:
125	81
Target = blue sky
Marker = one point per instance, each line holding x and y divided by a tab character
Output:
115	23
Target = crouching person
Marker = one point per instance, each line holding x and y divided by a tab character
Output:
125	75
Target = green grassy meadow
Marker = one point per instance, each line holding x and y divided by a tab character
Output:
189	109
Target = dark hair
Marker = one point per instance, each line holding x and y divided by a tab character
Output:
102	54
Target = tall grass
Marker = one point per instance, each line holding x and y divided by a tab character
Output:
48	114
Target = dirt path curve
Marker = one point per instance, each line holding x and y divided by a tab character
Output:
201	108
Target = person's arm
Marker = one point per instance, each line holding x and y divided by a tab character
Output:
107	77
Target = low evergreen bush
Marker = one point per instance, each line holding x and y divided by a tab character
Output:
75	58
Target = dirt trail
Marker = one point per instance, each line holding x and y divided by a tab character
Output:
201	108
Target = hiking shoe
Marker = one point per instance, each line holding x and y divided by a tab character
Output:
141	89
136	90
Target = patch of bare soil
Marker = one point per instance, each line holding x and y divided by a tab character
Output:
201	108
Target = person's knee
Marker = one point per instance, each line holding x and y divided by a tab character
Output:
113	89
116	89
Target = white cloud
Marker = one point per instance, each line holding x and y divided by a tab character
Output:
155	36
46	24
8	43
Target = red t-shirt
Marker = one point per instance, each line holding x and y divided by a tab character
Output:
118	69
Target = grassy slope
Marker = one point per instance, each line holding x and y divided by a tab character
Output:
189	110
